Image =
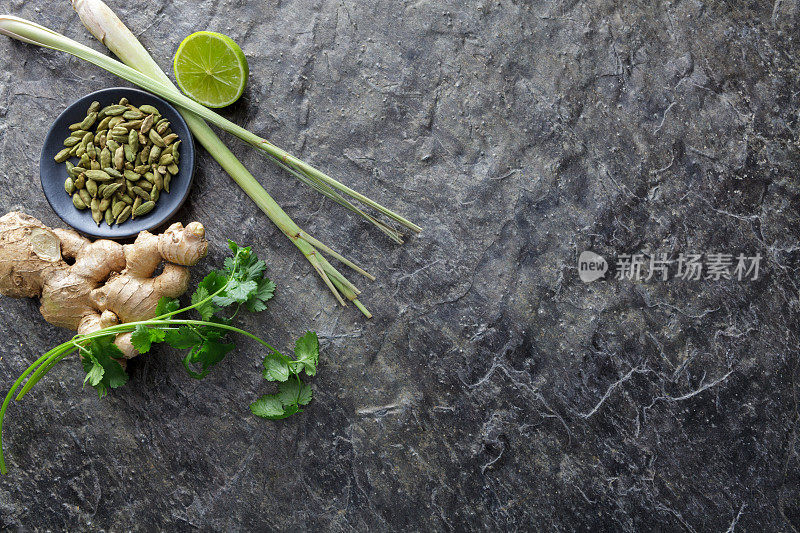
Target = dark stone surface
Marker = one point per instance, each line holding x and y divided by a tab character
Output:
493	390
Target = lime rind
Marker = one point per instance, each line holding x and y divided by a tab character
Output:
211	69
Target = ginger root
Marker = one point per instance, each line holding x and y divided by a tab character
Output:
87	286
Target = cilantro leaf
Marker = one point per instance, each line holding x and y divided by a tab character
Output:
258	301
236	292
306	352
268	406
102	353
167	305
206	355
275	368
182	338
143	337
94	370
293	393
207	308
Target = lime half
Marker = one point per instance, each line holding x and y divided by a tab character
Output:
211	68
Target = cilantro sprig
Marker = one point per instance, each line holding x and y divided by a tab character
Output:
239	285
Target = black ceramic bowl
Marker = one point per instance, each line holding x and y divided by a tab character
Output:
54	174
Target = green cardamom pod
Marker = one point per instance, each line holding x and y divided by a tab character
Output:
97	215
91	151
127	199
150	110
74	171
144	184
136	203
94	107
84	161
169	139
144	154
105	158
76	126
154	194
80	181
119	130
94	165
85	196
110	189
103	125
69	142
91	186
117	207
88	122
132	124
109	216
124	215
130	153
112	145
145	208
138	191
113	172
166	159
78	202
162	126
114	122
123	101
99	175
114	110
119	158
158	181
141	169
147	123
155	138
80	150
63	155
132	114
155	153
176	150
167	179
69	185
105	203
173	169
130	175
78	133
133	140
100	139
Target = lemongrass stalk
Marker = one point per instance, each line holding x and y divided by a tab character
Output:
110	30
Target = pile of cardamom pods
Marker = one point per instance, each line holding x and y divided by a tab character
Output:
125	164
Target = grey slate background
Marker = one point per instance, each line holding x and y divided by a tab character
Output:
493	390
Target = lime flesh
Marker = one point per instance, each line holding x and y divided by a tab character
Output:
211	69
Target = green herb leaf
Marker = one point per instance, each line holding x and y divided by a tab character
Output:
205	309
258	301
143	337
306	352
268	406
167	305
206	356
101	352
182	338
94	370
294	393
275	368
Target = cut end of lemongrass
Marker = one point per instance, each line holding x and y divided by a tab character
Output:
362	308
